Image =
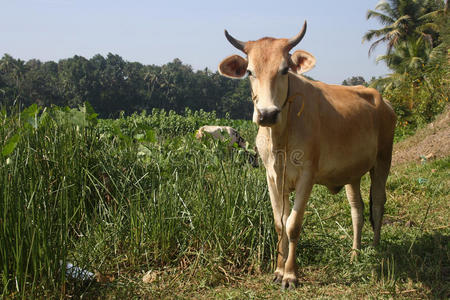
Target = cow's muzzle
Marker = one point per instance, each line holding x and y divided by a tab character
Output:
268	117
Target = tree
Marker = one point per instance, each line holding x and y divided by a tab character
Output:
112	85
237	103
417	34
13	73
355	80
410	55
402	19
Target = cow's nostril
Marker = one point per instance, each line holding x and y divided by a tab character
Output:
267	118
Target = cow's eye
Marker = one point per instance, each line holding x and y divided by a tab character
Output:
285	71
249	73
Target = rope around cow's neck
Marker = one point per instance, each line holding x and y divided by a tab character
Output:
289	100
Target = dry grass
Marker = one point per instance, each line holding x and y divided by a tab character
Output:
432	141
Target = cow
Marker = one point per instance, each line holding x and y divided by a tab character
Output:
221	133
311	133
226	132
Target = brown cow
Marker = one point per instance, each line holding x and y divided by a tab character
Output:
312	133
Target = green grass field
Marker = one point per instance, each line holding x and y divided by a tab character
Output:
139	195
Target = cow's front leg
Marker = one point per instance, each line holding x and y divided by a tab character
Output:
293	228
280	219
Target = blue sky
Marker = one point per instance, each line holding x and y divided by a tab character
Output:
156	32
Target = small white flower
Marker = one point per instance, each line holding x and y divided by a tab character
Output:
8	161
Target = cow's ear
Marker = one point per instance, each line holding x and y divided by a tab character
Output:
302	61
233	66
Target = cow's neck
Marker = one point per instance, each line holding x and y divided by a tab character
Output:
278	134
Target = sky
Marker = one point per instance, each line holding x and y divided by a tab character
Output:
156	32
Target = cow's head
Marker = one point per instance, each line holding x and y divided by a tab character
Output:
267	64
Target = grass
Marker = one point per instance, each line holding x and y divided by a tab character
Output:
120	199
411	262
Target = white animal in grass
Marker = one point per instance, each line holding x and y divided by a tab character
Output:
223	133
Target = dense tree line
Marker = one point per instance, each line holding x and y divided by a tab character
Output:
112	84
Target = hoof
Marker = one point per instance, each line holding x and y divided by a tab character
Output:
277	278
289	284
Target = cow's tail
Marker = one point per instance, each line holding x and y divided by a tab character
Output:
371	205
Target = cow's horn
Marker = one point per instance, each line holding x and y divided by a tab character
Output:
296	39
238	44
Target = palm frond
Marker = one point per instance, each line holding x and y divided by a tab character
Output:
376	33
402	22
381	57
393	34
432	15
393	37
387	8
386	83
384	19
370	35
437	52
428	26
375	44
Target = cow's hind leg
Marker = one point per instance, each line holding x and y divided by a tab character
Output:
357	210
378	176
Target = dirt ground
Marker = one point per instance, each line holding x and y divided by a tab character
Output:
428	143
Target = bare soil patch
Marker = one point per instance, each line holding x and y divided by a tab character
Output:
430	142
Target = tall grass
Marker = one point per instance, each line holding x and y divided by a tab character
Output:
72	191
43	182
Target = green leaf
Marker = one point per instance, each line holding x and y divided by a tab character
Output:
29	115
91	115
139	136
10	145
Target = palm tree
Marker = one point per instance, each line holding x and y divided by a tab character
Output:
401	19
411	54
